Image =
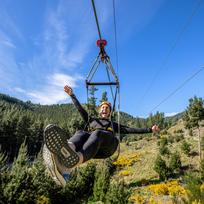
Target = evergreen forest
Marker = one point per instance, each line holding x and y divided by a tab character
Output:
152	168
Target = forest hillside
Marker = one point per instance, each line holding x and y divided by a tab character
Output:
167	167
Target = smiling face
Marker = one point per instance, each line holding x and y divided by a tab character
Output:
104	111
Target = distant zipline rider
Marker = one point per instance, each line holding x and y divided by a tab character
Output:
62	154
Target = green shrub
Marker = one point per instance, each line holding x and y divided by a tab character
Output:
43	185
178	131
163	142
117	193
164	132
161	168
202	170
101	182
178	137
202	143
193	186
164	150
79	187
186	147
170	139
17	189
175	163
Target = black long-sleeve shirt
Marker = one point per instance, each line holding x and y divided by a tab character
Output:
102	123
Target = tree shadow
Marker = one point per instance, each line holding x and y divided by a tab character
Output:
144	182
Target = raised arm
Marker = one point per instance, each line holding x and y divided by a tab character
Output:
77	104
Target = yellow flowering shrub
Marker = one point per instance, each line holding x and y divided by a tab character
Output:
142	199
159	189
163	136
139	199
170	188
196	202
153	201
43	200
159	193
124	173
127	160
202	187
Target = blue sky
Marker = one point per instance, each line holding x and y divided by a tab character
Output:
47	44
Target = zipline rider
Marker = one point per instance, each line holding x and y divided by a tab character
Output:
99	142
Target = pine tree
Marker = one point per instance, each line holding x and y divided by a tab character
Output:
104	97
42	184
117	193
79	187
101	182
92	101
163	146
157	118
186	147
161	168
18	189
193	116
175	163
3	175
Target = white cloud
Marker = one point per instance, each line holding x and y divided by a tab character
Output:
19	90
52	92
165	115
60	80
170	114
142	116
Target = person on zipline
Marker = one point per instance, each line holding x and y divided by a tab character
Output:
62	154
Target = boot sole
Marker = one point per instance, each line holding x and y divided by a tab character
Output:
56	141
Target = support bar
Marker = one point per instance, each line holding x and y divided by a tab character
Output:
101	83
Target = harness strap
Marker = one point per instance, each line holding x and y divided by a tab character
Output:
106	129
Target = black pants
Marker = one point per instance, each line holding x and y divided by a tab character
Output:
97	144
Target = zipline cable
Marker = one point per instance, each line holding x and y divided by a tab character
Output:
164	63
96	18
115	36
117	67
178	88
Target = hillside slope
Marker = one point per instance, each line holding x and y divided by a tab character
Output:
137	161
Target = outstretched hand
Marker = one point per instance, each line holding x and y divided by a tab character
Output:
68	90
155	128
